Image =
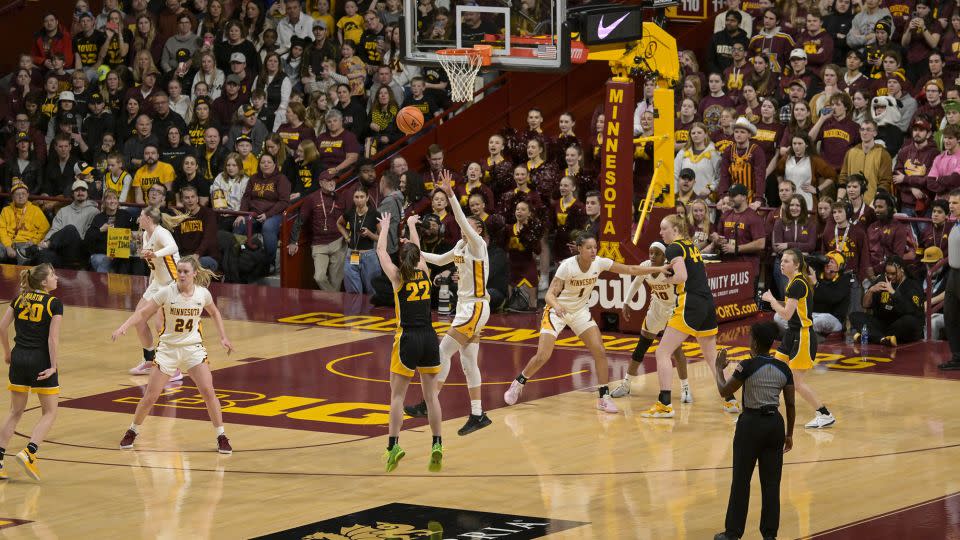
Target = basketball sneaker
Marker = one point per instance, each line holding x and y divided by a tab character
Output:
393	457
416	411
143	368
623	390
512	395
223	445
29	461
685	395
475	422
128	438
178	376
889	341
659	410
436	458
606	405
3	472
732	406
821	421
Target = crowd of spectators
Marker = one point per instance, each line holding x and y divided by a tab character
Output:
812	125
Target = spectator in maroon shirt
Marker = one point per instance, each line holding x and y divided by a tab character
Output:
796	230
861	213
835	131
887	237
339	149
933	108
319	214
197	234
267	194
912	165
741	235
296	129
225	107
935	235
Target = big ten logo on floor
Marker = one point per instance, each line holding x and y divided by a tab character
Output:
840	361
491	333
257	404
411	521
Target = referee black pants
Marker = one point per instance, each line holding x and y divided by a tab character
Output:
951	312
759	438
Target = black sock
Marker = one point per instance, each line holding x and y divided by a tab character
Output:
730	398
823	410
32	448
664	397
391	442
604	390
149	355
437	440
521	379
3	451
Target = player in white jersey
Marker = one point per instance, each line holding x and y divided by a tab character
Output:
473	309
181	343
566	301
663	299
160	252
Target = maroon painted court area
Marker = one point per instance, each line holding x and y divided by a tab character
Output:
935	519
342	389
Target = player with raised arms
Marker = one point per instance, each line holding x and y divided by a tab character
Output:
566	301
415	346
473	309
694	314
181	343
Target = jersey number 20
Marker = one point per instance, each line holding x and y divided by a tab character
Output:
31	312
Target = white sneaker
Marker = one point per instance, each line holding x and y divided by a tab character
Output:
512	395
178	376
821	421
544	283
685	395
621	391
606	405
143	368
732	406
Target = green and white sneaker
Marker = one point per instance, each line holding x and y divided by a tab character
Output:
436	458
393	457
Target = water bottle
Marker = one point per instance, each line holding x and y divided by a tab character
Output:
443	305
864	340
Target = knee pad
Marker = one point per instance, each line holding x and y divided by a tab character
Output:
448	346
468	361
643	345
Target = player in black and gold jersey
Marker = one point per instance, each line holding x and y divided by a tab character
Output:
36	315
798	348
415	347
694	314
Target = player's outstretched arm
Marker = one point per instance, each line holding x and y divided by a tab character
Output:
214	312
143	313
637	270
385	263
474	240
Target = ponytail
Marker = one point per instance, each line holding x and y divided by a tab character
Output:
801	261
204	276
167	221
32	279
680	223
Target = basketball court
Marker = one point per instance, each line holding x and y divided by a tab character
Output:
305	401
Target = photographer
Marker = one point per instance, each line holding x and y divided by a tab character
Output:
896	302
432	241
831	293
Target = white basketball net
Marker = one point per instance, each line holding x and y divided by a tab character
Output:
461	70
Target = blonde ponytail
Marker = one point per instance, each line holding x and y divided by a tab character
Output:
204	276
32	279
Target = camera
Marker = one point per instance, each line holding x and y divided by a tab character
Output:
816	261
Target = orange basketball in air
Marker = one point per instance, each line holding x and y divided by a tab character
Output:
410	120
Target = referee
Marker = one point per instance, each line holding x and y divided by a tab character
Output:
951	300
760	431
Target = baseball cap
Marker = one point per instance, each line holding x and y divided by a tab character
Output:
837	257
183	55
242	138
798	53
238	57
798	82
737	189
320	23
23	136
233	78
96	97
79	184
932	254
67	95
688	173
84	15
82	167
921	122
248	110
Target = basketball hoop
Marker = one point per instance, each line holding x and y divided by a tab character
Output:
462	66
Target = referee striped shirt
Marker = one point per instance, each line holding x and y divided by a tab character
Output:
763	379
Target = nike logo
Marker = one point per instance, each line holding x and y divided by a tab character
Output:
604	31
